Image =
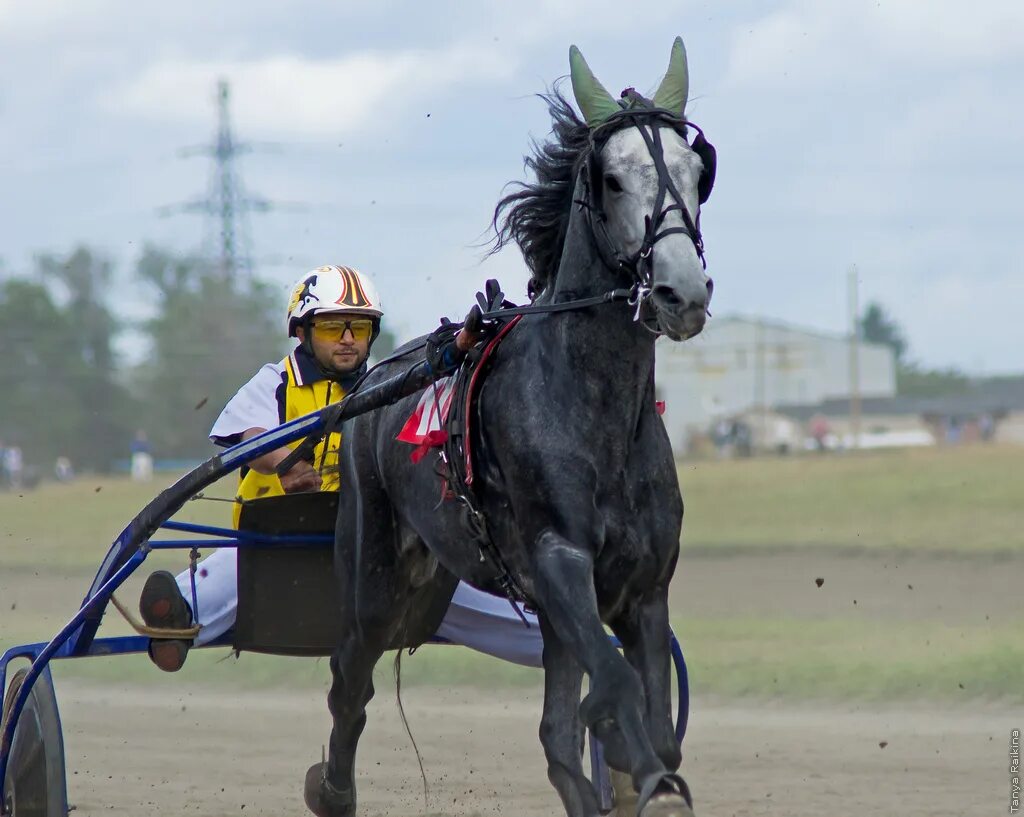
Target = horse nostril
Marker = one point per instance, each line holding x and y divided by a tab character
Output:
711	289
667	295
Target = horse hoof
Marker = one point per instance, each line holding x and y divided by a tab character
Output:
667	805
323	799
626	798
665	795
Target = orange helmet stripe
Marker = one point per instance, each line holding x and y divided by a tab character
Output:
352	293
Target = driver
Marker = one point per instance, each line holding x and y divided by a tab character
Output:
334	314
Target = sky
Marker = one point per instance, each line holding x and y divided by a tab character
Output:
883	137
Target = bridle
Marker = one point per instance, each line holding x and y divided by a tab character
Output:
639	265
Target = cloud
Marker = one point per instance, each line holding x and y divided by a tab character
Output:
446	283
811	45
300	88
948	34
881	133
26	18
963	321
288	95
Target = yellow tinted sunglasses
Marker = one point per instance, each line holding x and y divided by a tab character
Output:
333	331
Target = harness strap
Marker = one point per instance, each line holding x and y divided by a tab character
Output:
640	262
487	352
666	185
457	453
497	311
564	306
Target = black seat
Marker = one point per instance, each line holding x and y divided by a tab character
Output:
288	600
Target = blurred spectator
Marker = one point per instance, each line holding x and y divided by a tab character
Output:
733	438
819	431
743	438
986	427
722	436
13	465
62	470
142	460
29	478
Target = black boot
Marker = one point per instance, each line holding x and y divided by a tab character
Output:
162	605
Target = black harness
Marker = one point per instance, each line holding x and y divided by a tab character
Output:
494	312
456	463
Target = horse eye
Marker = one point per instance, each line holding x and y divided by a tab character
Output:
613	183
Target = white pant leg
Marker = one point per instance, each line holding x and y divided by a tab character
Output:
475	619
216	593
489	625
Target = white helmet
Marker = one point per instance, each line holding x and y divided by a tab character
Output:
332	289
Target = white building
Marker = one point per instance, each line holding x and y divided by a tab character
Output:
738	363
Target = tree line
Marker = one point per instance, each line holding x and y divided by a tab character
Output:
913	379
196	335
67	392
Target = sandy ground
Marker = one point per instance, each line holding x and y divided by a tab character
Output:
213	754
886	586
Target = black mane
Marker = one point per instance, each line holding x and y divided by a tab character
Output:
536	215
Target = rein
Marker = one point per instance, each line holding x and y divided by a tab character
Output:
505	313
493	308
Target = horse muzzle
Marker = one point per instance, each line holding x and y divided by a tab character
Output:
679	317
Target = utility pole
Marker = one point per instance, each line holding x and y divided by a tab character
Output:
760	380
855	407
226	204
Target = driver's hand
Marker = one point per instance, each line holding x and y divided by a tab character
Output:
301	477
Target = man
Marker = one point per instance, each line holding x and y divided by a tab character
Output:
334	313
141	460
13	464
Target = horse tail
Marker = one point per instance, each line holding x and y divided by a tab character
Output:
397	666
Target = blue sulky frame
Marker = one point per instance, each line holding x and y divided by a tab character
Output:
77	639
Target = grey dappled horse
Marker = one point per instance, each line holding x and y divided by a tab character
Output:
576	480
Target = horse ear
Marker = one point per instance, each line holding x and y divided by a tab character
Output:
594	101
675	87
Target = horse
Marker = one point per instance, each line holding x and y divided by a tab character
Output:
574	476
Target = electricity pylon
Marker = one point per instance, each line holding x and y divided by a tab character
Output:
226	204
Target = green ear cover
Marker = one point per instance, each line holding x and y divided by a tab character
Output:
594	101
675	87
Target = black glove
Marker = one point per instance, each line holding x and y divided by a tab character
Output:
443	355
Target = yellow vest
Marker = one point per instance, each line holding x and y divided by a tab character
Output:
299	399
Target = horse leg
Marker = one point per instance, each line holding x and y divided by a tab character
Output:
564	581
330	789
374	594
644	633
561	732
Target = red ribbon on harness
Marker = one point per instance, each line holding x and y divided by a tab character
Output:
432	439
659	406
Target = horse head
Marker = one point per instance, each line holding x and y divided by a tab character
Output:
643	184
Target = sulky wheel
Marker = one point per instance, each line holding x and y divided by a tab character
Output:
34	785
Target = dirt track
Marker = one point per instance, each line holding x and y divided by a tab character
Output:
216	754
181	750
953	590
